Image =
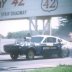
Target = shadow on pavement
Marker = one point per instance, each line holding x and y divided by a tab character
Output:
39	58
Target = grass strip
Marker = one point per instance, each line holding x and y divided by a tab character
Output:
60	68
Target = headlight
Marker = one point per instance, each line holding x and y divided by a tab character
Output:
25	44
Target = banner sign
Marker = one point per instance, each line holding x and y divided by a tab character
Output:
14	9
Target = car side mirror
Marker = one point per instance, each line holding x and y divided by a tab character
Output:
59	40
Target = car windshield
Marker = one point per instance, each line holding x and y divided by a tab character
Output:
21	40
36	39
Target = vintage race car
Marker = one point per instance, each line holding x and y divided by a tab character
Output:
40	45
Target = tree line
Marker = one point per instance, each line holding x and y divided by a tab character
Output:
63	31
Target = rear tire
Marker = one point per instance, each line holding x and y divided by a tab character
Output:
14	56
30	55
46	55
64	53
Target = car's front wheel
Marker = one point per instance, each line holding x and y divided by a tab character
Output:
14	56
30	55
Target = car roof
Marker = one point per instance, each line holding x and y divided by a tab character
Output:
45	36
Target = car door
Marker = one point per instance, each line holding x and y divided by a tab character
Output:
50	48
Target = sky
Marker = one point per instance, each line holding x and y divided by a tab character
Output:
22	25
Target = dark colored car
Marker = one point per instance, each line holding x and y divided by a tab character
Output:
40	45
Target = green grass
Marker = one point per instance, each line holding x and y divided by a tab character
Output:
61	68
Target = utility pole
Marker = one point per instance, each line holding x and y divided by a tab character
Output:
47	26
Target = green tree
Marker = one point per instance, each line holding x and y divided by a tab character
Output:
9	35
65	26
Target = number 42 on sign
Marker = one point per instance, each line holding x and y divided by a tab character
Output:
18	2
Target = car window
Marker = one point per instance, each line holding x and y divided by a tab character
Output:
59	40
36	39
50	40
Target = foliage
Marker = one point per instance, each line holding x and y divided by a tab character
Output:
20	34
65	26
55	69
1	36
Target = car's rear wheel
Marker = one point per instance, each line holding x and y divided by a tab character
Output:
46	55
30	55
64	53
14	56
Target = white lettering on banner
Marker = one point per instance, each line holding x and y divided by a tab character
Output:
13	9
49	5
